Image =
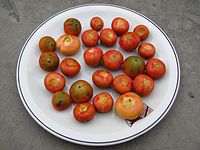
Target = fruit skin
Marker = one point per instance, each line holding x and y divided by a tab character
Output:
122	84
90	38
102	78
129	106
133	65
155	68
142	31
70	67
103	102
47	44
96	23
61	100
81	91
129	41
108	37
54	82
143	84
146	50
72	26
68	44
93	56
49	61
120	25
84	112
112	60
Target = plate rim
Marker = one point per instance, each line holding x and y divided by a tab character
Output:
100	143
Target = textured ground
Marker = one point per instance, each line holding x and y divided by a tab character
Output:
179	130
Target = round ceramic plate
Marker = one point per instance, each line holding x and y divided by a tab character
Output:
107	128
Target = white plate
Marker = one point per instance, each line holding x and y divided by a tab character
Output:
104	129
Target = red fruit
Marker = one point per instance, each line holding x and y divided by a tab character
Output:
120	25
108	37
96	23
142	31
93	56
155	68
143	84
112	59
84	112
146	50
103	102
70	67
122	84
90	38
102	78
54	82
129	41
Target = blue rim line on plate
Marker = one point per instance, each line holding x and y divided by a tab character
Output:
103	143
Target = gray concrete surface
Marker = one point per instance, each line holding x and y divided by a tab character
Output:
179	130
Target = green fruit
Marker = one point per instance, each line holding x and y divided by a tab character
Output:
49	61
81	91
61	100
133	65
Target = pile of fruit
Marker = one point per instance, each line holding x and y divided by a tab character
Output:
138	76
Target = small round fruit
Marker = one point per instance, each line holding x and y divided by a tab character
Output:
81	91
68	44
47	44
96	23
84	112
129	41
103	102
143	84
122	84
129	106
108	37
146	50
102	78
61	100
54	82
120	25
142	31
133	65
70	67
155	68
72	26
49	61
93	56
112	60
90	38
